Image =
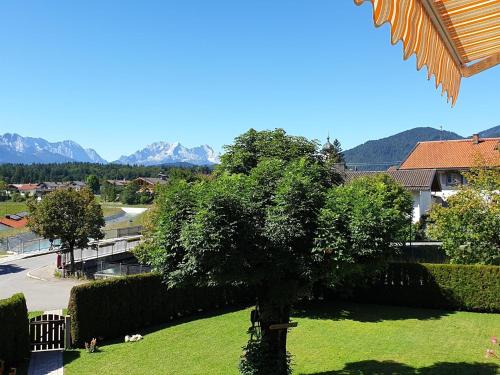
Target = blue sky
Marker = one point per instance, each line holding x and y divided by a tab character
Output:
117	75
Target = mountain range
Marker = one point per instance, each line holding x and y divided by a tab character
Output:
382	153
26	150
171	153
372	155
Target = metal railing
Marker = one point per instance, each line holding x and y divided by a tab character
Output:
28	242
106	270
105	249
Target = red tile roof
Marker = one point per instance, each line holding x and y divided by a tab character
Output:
27	187
14	223
463	153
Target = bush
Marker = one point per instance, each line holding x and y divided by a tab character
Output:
16	197
469	227
443	286
14	331
112	308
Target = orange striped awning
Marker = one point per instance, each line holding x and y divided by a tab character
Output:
453	38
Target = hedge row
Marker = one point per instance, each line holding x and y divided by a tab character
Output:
115	307
14	329
443	286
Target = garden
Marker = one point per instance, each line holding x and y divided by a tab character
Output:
342	338
273	266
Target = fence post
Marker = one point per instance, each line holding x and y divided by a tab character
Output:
67	332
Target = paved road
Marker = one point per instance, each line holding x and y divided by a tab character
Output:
40	295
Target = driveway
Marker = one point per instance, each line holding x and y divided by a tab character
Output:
40	295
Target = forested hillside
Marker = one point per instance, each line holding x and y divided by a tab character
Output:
26	173
382	153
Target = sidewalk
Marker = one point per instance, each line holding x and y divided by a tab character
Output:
13	257
45	273
46	363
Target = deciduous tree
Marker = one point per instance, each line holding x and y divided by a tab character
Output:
264	222
73	217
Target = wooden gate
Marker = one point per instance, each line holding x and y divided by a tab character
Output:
47	332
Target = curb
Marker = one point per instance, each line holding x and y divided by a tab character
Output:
35	277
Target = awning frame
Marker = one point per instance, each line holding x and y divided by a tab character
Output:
441	50
466	70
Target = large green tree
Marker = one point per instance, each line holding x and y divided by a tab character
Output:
264	221
73	217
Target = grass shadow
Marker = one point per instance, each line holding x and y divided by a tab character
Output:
341	310
70	356
373	367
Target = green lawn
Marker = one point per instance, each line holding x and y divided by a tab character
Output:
109	211
342	339
136	221
10	207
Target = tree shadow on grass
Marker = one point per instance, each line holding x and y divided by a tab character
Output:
372	367
363	312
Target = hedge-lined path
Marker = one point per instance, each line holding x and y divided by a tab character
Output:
46	363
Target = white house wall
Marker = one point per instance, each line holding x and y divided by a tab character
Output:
422	202
416	206
425	202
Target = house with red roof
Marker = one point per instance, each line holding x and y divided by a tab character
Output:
452	157
25	189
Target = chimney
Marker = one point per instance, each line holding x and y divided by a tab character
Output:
475	139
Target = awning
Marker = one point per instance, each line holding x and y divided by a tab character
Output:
453	38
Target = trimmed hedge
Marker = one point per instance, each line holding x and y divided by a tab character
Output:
112	308
442	286
14	330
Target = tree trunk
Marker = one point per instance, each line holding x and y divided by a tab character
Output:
72	259
274	311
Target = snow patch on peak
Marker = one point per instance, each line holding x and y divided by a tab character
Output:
171	153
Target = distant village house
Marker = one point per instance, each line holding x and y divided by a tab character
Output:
451	158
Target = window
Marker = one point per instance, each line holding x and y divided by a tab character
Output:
453	179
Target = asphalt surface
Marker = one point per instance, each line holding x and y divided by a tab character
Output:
41	295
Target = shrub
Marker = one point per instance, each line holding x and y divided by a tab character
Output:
444	286
111	308
16	197
469	227
14	331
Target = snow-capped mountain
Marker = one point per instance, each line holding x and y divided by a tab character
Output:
171	153
17	149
